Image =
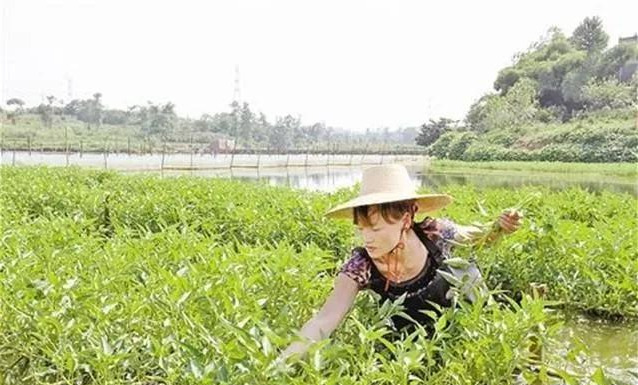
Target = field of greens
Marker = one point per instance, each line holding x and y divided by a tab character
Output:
113	279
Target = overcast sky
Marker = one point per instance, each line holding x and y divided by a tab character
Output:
350	64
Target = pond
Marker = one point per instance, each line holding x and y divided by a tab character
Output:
610	345
332	178
314	172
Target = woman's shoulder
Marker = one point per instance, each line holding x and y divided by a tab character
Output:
442	232
443	228
358	267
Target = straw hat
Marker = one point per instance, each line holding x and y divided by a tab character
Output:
388	183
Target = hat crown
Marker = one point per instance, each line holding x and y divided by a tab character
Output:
393	178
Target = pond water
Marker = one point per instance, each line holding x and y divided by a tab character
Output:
314	172
332	178
610	345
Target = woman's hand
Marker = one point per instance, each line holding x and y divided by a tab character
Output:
510	220
326	320
279	365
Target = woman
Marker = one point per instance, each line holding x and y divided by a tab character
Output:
399	256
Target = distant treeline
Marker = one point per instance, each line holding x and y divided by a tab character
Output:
250	129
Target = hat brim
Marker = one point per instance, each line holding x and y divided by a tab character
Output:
426	203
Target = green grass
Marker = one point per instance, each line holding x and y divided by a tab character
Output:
29	131
106	278
629	170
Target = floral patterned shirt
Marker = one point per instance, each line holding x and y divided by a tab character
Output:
442	231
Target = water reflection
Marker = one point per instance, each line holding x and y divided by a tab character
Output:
518	179
612	346
325	179
329	179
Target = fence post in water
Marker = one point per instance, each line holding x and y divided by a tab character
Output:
191	148
163	155
29	143
365	150
258	162
306	161
232	156
106	152
328	155
81	148
66	144
287	158
128	146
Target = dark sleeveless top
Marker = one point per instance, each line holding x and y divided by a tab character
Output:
427	285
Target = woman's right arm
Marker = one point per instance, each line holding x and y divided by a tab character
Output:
329	316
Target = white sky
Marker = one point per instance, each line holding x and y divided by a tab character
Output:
350	64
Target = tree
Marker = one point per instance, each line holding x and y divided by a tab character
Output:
299	135
282	131
315	131
137	114
615	58
547	62
15	102
159	119
114	117
246	123
589	35
572	88
262	130
96	109
46	111
518	107
235	114
477	115
506	79
204	123
73	108
432	130
408	135
610	93
89	111
17	109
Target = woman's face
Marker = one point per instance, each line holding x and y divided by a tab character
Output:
380	236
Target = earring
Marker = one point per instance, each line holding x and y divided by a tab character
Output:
401	244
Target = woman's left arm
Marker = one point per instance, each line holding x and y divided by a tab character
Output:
508	222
